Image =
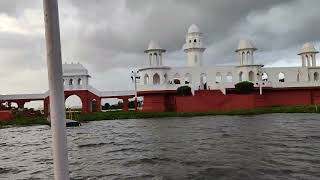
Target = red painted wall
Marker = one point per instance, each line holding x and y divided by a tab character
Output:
214	100
5	115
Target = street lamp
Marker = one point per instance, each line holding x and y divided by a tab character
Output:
260	81
134	77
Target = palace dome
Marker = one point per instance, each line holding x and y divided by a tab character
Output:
194	29
308	48
245	44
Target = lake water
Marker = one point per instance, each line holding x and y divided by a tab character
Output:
274	146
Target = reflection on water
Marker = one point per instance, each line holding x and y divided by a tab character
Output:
277	146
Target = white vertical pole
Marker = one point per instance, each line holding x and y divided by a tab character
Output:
57	111
135	91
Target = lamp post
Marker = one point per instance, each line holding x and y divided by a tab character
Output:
260	81
57	111
134	77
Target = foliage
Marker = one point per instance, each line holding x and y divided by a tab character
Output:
184	91
244	87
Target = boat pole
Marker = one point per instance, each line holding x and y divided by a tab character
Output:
57	111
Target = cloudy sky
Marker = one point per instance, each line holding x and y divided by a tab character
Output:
109	36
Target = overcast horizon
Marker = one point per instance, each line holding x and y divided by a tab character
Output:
109	37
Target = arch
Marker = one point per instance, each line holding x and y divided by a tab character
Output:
156	79
240	76
70	82
165	76
282	77
176	78
264	76
298	77
93	105
218	77
229	77
243	55
146	79
73	103
251	76
80	81
203	81
316	76
195	40
188	78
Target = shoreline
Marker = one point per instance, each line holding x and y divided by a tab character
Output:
119	115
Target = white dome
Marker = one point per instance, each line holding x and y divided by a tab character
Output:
245	44
308	48
194	29
153	45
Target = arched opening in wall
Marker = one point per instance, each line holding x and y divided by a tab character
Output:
93	105
248	58
264	76
203	81
156	79
156	58
111	104
176	79
165	76
146	79
188	78
240	76
12	105
229	77
243	57
150	59
316	76
34	105
307	60
79	81
282	77
73	104
298	77
218	77
251	76
70	82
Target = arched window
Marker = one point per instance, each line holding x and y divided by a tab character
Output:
188	78
203	81
316	76
298	77
241	76
218	77
195	41
307	60
79	81
71	82
156	79
281	77
243	56
229	77
146	79
251	76
264	76
190	41
165	78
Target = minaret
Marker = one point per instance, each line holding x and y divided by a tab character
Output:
194	46
308	55
246	52
154	52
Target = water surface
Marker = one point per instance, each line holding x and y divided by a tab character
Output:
274	146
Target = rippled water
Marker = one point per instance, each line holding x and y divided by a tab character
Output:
276	146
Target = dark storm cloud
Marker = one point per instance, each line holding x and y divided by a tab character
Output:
107	34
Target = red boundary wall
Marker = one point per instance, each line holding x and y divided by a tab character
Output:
214	100
5	115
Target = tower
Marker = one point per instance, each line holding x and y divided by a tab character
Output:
308	55
154	52
194	46
246	52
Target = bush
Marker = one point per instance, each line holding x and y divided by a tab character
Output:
244	87
184	91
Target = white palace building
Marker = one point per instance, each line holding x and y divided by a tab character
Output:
157	76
